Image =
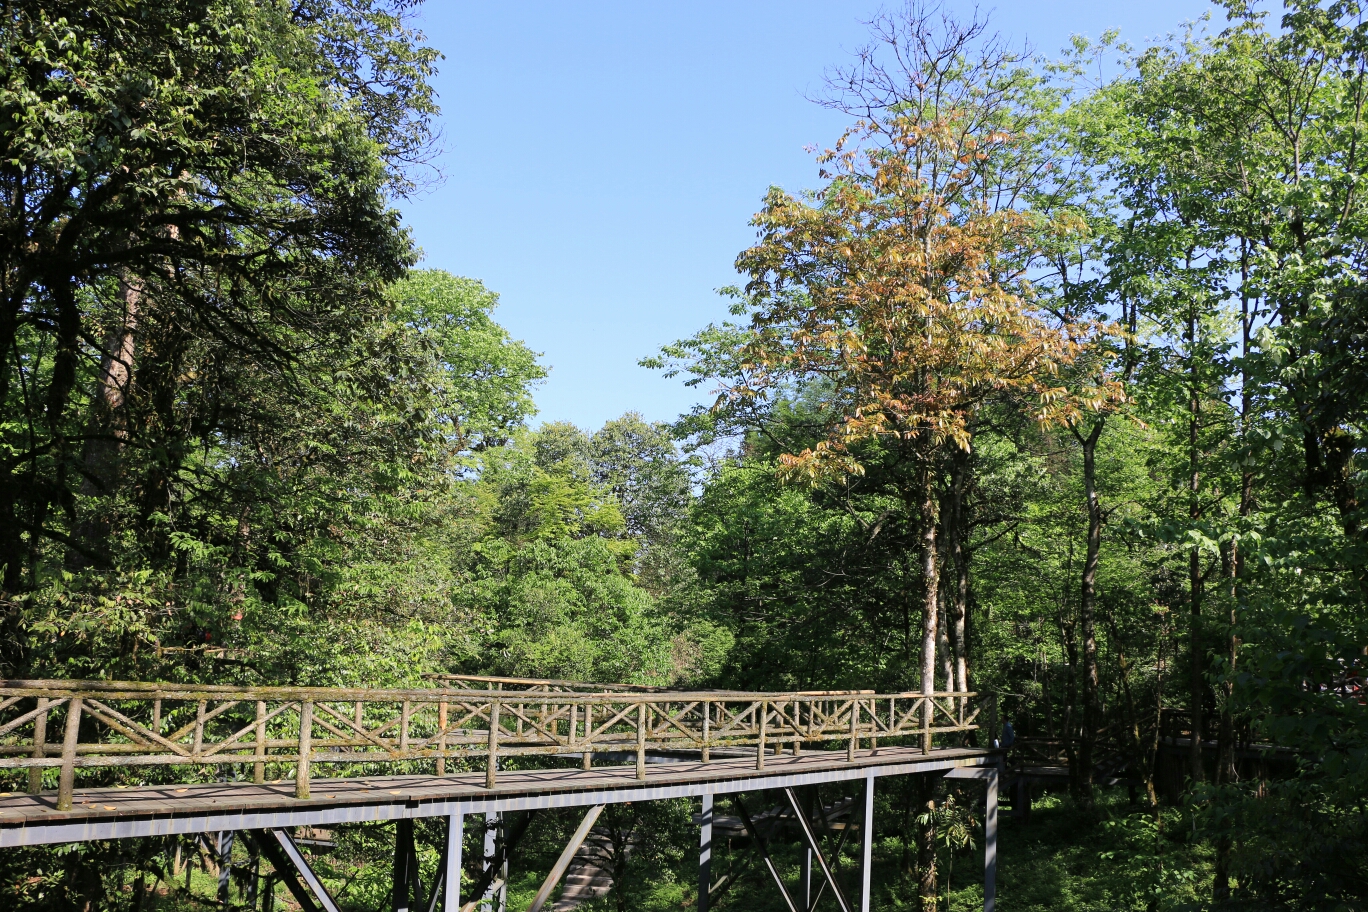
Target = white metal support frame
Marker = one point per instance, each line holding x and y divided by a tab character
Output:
451	877
867	843
705	828
989	775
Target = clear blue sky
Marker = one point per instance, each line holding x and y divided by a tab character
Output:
602	161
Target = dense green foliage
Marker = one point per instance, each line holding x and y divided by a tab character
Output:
243	438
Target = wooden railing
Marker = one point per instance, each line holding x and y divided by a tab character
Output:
71	725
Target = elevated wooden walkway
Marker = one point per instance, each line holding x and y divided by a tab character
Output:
115	813
458	750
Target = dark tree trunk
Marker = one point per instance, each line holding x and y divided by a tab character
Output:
1087	610
1196	683
107	428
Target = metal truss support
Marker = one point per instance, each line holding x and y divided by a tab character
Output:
760	844
990	776
867	843
813	849
290	865
705	851
408	888
563	862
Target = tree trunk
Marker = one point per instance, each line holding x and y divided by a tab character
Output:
958	555
1087	609
108	424
1132	710
1196	683
930	582
1225	749
1069	732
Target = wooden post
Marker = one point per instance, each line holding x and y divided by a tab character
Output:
928	707
873	725
492	761
259	767
404	713
587	757
66	783
867	843
305	748
441	739
707	719
641	741
705	828
760	749
35	774
854	729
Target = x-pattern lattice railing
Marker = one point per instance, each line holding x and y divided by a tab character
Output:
70	725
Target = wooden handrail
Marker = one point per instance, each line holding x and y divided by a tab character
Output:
131	724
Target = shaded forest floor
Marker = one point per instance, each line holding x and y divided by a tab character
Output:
1062	860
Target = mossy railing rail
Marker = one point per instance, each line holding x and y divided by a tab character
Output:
71	725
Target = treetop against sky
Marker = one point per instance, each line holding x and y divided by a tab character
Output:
602	162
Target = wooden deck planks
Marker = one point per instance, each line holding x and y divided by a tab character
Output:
95	805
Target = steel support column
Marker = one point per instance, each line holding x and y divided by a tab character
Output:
705	852
451	877
408	890
491	845
867	840
990	777
990	827
225	862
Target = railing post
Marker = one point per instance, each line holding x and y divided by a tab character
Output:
707	721
441	738
854	744
928	707
35	774
66	783
492	761
305	748
259	767
641	740
873	725
760	749
587	754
